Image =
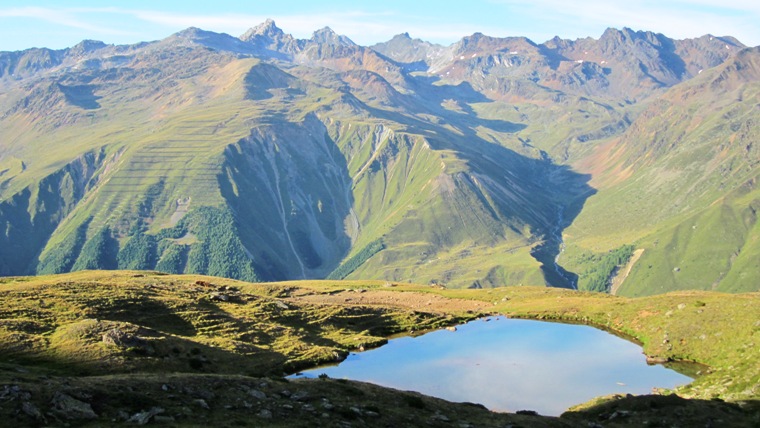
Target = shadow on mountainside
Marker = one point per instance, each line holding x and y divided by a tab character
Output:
537	192
293	180
82	96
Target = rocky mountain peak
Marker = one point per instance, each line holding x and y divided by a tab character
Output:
189	32
472	40
403	48
558	43
479	42
269	40
267	29
742	68
615	37
86	46
400	39
329	37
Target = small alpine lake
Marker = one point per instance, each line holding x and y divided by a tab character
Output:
509	365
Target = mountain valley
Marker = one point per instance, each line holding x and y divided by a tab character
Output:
490	162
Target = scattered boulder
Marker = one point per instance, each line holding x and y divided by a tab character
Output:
143	418
656	360
440	417
259	395
10	392
221	297
122	339
70	408
619	414
299	396
31	410
201	403
205	284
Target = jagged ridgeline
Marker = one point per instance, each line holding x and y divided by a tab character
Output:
267	157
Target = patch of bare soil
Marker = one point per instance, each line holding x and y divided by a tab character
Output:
407	300
623	273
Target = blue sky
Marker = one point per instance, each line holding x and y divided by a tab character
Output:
59	24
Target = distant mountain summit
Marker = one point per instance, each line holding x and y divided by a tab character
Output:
267	29
626	163
268	38
405	49
328	37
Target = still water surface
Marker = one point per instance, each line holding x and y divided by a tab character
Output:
509	365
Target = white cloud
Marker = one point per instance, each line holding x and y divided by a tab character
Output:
676	19
361	27
63	17
206	22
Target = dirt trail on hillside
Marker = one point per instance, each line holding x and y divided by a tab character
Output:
623	274
407	300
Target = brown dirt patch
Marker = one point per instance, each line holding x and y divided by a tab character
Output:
407	300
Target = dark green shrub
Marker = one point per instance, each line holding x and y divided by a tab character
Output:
62	257
597	278
99	252
357	260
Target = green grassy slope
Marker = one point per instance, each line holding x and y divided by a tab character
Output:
179	154
298	175
681	184
127	342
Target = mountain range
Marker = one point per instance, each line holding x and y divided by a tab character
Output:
627	163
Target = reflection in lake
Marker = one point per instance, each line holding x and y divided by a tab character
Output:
509	365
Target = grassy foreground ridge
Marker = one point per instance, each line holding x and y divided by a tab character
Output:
131	347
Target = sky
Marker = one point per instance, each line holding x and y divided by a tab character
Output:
58	24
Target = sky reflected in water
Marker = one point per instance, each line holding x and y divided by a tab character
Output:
509	365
